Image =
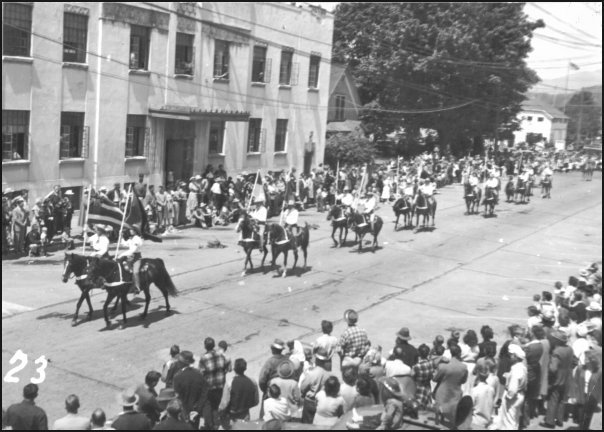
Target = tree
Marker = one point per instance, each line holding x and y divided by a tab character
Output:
348	150
583	114
414	61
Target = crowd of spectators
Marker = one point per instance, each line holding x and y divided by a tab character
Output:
550	366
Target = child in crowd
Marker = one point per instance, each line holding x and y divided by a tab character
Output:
276	406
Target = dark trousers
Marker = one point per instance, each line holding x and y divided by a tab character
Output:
555	405
210	413
308	410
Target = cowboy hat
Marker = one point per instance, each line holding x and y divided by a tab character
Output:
404	334
594	307
291	203
351	316
166	394
186	357
103	188
393	386
128	398
8	190
209	175
517	351
560	336
278	344
582	330
68	192
285	369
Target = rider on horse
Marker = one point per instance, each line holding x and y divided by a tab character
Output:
347	199
473	181
131	258
291	219
369	205
100	242
259	216
491	186
427	190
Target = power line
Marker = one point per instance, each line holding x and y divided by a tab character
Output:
535	5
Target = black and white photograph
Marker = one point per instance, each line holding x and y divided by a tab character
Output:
301	215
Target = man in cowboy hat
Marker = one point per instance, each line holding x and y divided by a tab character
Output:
191	388
312	384
560	376
491	185
259	215
410	355
270	369
130	419
369	206
594	314
291	219
354	342
100	242
287	384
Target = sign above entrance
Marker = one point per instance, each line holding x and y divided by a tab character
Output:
177	112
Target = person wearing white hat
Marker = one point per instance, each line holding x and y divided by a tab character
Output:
291	219
259	215
594	314
100	242
492	185
369	205
515	386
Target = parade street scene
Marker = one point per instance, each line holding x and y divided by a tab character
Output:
307	216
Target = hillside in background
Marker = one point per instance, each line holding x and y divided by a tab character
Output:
559	100
576	80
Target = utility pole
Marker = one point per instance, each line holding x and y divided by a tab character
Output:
580	118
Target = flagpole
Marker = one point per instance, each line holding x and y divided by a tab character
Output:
566	86
119	239
284	197
338	177
86	220
249	204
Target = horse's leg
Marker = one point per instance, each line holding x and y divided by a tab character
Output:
124	296
295	260
75	317
398	215
87	296
110	296
146	290
333	232
285	253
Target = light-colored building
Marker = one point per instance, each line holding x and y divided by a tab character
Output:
105	91
539	118
344	103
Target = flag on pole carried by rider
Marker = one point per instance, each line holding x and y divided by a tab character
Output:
102	211
136	219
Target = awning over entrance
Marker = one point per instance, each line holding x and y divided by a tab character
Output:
195	113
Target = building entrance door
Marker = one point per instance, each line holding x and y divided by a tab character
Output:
179	161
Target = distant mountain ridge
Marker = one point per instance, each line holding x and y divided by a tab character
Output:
559	100
576	80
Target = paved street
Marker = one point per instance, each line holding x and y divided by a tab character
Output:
467	272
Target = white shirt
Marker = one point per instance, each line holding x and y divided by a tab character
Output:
473	181
369	204
347	199
291	217
491	183
134	244
260	214
100	244
427	189
547	172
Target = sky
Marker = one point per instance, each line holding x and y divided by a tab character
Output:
573	33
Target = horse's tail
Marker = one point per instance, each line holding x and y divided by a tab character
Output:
164	281
305	238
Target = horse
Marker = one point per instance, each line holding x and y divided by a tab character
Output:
472	195
281	242
337	216
546	187
403	206
490	199
356	222
77	265
510	190
520	191
425	207
250	239
117	282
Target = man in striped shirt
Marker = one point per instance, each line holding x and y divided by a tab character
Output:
354	342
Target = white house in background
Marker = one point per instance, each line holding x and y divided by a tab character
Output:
539	118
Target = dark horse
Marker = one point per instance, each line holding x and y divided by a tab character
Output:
337	216
356	222
520	191
403	206
490	199
472	195
546	187
510	190
282	242
118	282
250	240
77	265
425	207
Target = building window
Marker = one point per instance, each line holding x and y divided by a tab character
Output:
16	29
539	119
221	59
184	54
340	103
73	136
216	137
281	135
253	141
530	118
137	135
260	65
75	33
139	47
285	71
313	71
15	132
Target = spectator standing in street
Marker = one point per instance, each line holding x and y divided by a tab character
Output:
212	366
161	200
326	341
410	354
239	395
510	412
174	419
270	369
98	420
287	384
26	415
130	419
449	378
330	405
169	368
191	388
312	384
354	342
147	402
72	421
19	221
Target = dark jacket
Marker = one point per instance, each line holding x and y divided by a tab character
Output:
192	389
148	404
132	420
410	354
26	416
170	423
561	366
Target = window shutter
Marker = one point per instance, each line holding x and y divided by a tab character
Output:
64	146
267	70
85	141
294	77
147	141
7	143
129	141
262	141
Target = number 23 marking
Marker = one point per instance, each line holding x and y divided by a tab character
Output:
21	357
